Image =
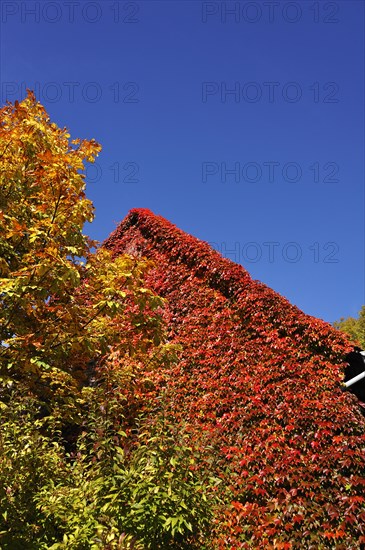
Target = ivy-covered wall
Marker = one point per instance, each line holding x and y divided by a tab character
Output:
258	387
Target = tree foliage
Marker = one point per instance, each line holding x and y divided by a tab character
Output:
355	328
61	305
80	467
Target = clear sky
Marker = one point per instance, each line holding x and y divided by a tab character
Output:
241	122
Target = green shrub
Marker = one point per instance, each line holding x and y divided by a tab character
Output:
111	492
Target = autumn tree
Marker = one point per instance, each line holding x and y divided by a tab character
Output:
57	299
78	333
355	328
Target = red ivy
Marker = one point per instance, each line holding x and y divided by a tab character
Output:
259	381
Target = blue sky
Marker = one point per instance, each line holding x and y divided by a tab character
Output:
240	122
